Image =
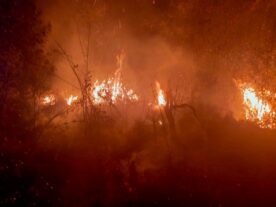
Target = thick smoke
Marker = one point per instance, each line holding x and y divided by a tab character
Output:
197	47
203	45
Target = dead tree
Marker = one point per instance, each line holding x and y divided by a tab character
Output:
167	112
82	86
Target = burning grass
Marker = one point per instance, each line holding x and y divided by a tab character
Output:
71	99
48	100
161	100
108	91
258	105
112	90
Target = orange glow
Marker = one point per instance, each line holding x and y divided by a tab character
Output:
161	101
71	99
112	90
48	100
257	108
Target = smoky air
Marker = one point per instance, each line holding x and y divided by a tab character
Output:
137	103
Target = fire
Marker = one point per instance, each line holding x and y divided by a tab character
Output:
99	92
161	101
48	100
107	91
161	98
112	91
257	108
71	99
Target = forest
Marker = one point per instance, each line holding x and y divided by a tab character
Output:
137	103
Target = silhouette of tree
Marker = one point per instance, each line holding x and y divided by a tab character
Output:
24	67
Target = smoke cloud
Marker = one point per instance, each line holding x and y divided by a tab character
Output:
196	46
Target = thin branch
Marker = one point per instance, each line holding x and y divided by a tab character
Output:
88	48
80	41
73	67
60	113
71	64
189	107
66	81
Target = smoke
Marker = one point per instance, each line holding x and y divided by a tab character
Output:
196	46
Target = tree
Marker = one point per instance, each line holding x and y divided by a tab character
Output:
24	67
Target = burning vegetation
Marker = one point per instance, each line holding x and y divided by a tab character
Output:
161	101
112	91
48	100
71	100
258	106
133	103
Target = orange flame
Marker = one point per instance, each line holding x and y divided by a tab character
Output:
257	107
161	101
71	99
111	90
48	100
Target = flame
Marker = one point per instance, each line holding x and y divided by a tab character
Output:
48	100
71	99
257	108
161	98
112	90
107	91
161	101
